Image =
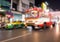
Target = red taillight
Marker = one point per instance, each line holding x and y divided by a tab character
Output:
48	23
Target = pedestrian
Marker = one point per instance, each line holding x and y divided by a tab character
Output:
57	18
29	28
54	24
45	25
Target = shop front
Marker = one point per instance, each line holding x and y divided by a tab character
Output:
16	21
4	18
17	16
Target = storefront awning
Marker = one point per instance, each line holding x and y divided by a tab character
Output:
9	13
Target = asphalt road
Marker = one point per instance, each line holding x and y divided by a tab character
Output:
23	35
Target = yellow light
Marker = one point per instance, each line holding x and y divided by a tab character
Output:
43	5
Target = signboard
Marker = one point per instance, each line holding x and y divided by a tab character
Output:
34	13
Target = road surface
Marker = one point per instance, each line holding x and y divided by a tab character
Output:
23	35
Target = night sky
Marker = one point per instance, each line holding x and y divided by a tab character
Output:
54	4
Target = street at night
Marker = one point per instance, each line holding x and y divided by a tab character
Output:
29	21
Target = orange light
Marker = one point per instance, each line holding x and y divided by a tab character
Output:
40	10
27	11
35	9
8	16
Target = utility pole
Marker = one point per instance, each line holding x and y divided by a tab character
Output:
11	6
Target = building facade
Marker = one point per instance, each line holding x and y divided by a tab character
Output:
22	5
32	3
4	4
19	6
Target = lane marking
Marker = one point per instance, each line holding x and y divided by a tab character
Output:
15	37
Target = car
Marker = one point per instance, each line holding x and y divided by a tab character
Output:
14	25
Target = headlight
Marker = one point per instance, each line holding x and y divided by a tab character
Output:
24	23
36	23
39	23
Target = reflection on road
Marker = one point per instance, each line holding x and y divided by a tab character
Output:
57	29
36	37
57	32
47	35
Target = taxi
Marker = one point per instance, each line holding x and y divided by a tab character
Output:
14	25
